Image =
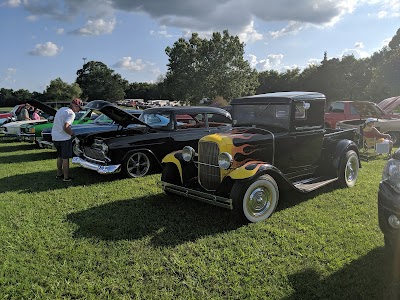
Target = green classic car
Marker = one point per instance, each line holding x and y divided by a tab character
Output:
33	132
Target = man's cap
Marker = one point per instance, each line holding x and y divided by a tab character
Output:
78	102
369	120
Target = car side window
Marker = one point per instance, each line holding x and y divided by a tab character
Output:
353	111
336	107
217	120
186	121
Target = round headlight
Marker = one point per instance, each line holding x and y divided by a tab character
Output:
394	222
225	160
188	153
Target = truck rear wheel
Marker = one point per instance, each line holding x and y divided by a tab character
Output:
348	170
255	201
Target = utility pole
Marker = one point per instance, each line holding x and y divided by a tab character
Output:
84	60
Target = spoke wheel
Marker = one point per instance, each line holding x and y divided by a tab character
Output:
137	164
255	201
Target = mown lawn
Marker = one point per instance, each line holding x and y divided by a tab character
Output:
102	237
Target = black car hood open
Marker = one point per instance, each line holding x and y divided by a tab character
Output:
388	105
118	115
367	109
43	107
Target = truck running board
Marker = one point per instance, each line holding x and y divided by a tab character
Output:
312	184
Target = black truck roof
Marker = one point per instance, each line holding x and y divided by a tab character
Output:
279	97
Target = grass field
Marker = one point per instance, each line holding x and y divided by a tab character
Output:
102	237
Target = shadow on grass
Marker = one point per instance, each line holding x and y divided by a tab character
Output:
167	221
44	181
17	147
27	157
289	198
370	277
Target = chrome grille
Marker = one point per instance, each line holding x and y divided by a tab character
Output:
93	153
209	172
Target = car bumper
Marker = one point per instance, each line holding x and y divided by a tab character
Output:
45	144
388	205
101	169
27	137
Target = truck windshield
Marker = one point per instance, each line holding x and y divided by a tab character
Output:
264	115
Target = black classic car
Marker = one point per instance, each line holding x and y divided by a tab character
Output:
278	141
100	124
138	150
389	205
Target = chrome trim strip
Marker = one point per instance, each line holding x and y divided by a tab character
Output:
198	195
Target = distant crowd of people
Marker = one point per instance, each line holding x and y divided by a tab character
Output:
28	112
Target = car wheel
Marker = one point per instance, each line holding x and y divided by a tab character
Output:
395	137
137	164
170	174
255	201
348	169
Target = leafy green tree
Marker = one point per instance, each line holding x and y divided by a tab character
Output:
201	68
59	90
22	95
97	81
395	41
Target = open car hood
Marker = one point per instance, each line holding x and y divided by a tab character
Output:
118	115
43	107
388	105
368	109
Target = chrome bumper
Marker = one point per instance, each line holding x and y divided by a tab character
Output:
46	144
96	167
197	195
30	137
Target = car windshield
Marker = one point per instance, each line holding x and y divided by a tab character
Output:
79	115
262	115
155	119
103	119
368	109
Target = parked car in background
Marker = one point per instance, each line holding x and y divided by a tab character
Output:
389	205
12	130
354	110
100	124
137	151
33	132
278	142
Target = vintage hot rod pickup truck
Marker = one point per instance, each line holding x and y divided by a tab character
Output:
278	142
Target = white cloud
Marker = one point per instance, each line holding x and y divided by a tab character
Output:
46	49
358	45
127	63
162	32
356	52
8	76
13	3
60	30
250	34
273	61
291	28
97	27
314	61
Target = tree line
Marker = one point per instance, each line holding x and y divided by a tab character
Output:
215	68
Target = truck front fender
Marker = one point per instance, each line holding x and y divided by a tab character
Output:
176	159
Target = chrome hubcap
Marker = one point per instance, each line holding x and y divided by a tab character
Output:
351	170
259	201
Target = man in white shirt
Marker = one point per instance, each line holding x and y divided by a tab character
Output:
61	134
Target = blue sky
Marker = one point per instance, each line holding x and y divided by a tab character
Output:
47	39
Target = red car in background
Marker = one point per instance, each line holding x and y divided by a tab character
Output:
351	110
